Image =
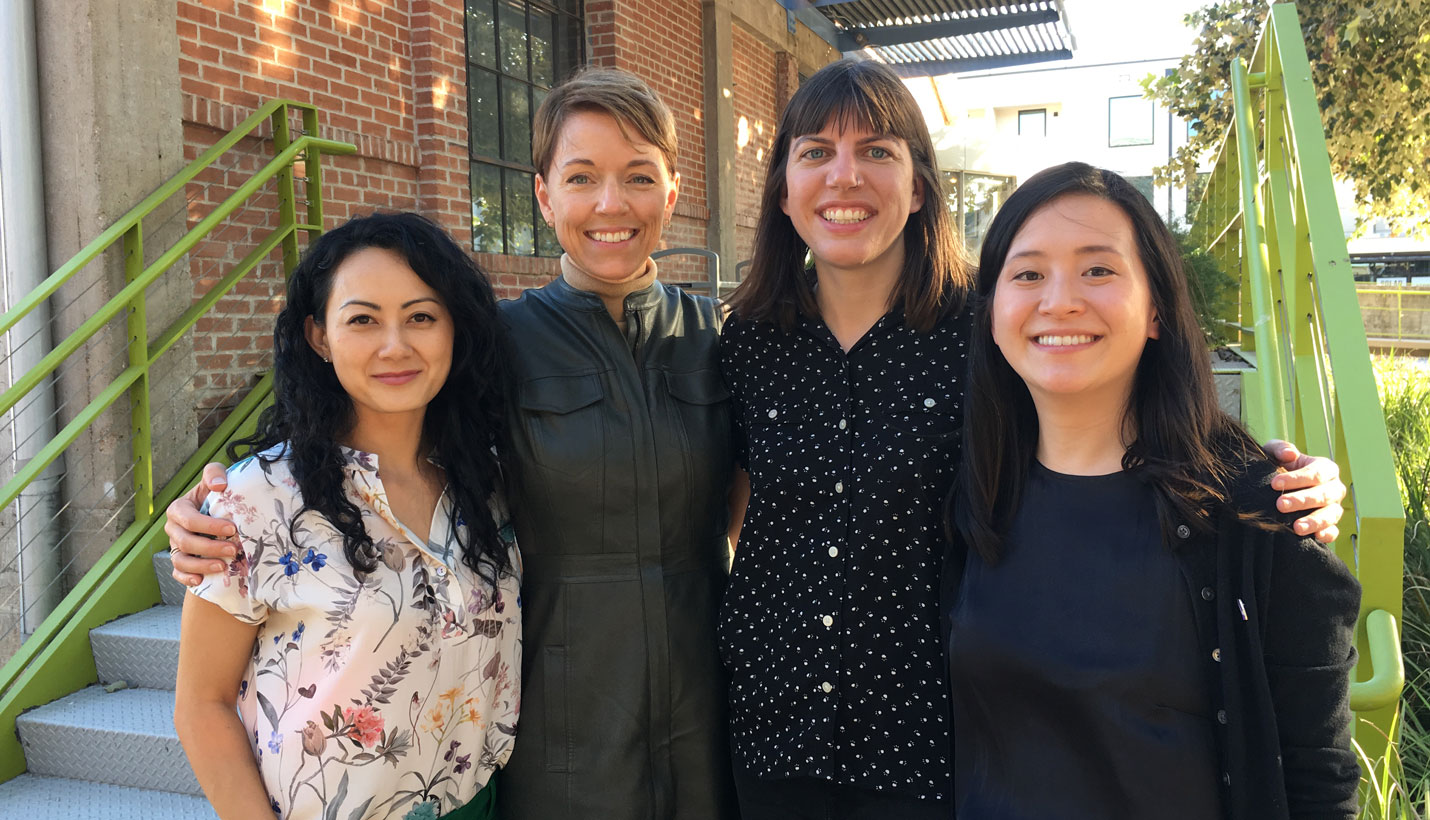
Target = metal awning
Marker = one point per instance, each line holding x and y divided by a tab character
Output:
919	38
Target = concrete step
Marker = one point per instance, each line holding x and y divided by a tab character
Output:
125	738
35	797
140	649
171	592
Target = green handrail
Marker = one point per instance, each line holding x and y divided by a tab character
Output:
1269	212
56	660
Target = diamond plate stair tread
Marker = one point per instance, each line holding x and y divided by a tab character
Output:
36	797
126	738
140	649
170	591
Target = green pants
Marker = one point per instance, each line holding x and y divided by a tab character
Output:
481	807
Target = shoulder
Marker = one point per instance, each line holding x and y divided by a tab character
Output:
256	484
525	306
269	471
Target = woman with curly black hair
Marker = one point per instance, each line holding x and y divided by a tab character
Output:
369	625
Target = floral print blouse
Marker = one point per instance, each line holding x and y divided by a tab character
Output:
392	694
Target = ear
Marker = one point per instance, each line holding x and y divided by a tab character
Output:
543	200
917	201
1154	329
672	195
317	338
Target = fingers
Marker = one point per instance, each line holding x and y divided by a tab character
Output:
214	480
1320	523
215	477
1282	452
1311	472
183	514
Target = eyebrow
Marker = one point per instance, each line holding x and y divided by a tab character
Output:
635	163
828	141
1081	250
409	303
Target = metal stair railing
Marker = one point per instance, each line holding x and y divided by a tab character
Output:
56	659
1269	212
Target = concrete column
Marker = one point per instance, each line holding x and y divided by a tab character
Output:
110	107
720	133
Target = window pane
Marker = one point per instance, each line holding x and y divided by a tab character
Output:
481	33
520	202
513	38
516	121
1033	123
567	44
482	113
1129	121
486	208
541	65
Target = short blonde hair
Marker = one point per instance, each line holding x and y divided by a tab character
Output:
612	91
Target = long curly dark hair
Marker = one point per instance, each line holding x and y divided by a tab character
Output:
465	422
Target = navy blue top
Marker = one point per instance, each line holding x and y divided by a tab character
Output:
1078	690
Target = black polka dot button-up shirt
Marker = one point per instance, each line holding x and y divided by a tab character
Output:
830	627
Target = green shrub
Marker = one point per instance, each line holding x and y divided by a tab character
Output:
1214	292
1404	385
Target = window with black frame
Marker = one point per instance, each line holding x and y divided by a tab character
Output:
516	50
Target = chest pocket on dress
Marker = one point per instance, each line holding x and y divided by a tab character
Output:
702	405
562	417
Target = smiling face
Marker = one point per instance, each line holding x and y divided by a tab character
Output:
849	193
1072	309
387	333
608	195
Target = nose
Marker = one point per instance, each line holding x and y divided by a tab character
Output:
1060	297
843	171
610	199
394	343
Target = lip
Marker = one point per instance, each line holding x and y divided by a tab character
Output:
397	377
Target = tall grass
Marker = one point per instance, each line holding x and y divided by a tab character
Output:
1399	784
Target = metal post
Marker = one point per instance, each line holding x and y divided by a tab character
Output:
25	257
137	329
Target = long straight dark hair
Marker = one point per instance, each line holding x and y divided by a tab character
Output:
935	279
1183	444
463	422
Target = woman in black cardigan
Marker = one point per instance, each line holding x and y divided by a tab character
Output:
1130	635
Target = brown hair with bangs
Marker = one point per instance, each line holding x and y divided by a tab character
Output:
621	94
936	277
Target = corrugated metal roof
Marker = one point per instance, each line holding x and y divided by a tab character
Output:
923	37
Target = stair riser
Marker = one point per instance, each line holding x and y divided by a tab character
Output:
151	663
119	758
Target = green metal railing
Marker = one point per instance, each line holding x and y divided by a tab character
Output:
56	659
1269	213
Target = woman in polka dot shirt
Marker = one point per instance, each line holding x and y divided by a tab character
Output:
847	383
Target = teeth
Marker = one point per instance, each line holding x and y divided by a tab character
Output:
1064	341
846	216
611	236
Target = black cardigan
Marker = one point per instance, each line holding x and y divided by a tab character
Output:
1279	671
